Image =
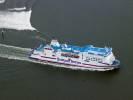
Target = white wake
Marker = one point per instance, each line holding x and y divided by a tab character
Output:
2	1
18	20
17	9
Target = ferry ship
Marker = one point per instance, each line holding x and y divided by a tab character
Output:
76	57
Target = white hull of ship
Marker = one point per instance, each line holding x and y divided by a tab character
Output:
81	66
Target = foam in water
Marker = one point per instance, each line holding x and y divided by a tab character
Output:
14	47
17	9
2	1
16	20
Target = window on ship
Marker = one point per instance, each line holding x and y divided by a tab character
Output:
69	55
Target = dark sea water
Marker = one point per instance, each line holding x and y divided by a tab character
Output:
79	22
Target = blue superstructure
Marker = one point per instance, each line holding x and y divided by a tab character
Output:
77	49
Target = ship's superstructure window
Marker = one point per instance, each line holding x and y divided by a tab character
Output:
93	59
69	55
47	48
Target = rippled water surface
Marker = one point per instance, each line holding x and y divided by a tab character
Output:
78	22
